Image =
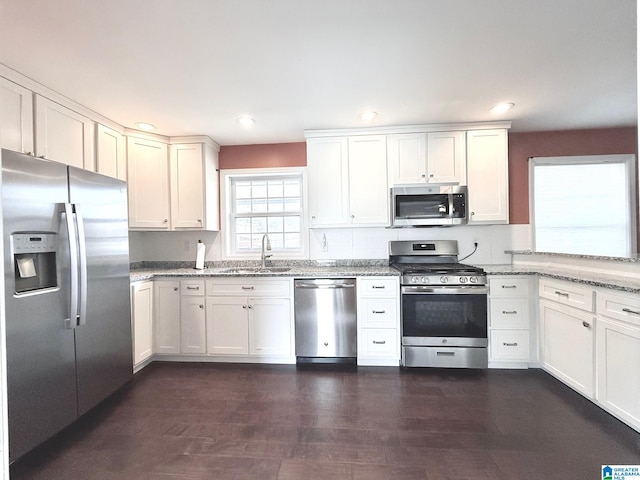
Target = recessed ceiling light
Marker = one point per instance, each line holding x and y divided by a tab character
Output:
502	107
145	126
246	122
368	116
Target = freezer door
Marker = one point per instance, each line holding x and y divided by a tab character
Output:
40	346
103	336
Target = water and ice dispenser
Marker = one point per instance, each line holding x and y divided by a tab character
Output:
34	260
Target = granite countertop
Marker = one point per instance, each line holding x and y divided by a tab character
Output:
635	258
307	271
616	282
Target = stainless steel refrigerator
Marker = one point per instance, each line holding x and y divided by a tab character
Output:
66	262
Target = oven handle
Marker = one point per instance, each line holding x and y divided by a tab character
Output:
458	290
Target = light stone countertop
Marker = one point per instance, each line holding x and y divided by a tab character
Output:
615	282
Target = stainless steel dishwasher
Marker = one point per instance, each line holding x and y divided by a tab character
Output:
325	318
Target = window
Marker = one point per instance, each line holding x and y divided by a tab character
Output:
264	202
584	205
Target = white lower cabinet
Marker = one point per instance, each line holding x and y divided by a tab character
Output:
250	317
618	355
193	338
167	317
142	322
378	321
567	335
509	322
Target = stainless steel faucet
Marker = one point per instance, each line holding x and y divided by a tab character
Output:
264	257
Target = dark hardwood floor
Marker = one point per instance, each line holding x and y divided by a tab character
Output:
214	421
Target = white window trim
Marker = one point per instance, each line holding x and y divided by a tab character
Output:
629	160
226	176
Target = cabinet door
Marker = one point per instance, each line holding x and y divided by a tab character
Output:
193	325
618	369
187	186
167	317
16	117
327	164
446	158
110	153
368	189
63	135
142	318
270	326
487	176
227	326
148	174
567	345
407	156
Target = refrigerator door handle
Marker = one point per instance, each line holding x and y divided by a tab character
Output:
72	321
82	257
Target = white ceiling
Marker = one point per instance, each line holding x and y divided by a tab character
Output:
193	66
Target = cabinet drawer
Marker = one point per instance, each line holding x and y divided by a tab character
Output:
509	313
567	293
378	312
624	307
508	287
379	287
249	287
378	342
192	287
509	345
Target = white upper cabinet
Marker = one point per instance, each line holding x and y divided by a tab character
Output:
407	157
368	195
446	158
194	187
148	175
16	117
348	181
63	135
327	163
110	153
487	176
434	157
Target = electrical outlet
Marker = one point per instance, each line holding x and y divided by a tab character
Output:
324	246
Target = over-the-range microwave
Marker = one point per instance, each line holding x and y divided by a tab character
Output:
428	205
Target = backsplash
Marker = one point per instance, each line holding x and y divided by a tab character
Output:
342	244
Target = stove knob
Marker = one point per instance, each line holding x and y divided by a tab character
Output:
414	279
473	279
444	279
424	279
463	279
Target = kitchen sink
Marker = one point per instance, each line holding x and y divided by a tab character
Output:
256	270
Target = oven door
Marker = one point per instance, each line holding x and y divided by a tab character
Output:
437	316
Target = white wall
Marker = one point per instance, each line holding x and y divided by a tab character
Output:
345	243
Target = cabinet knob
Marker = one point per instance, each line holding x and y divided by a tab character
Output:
326	344
431	175
166	220
175	289
313	216
586	324
200	220
201	307
42	156
244	306
423	175
473	213
353	216
250	307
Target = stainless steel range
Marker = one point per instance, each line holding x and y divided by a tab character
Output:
443	305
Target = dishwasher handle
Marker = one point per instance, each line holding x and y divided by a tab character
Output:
325	285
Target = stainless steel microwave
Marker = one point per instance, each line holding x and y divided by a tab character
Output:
423	205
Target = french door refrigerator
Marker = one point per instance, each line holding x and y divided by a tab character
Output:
68	320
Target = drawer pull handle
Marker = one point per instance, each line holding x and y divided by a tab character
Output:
628	310
512	312
445	354
586	324
509	286
247	288
562	294
377	287
507	344
378	311
193	288
381	342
